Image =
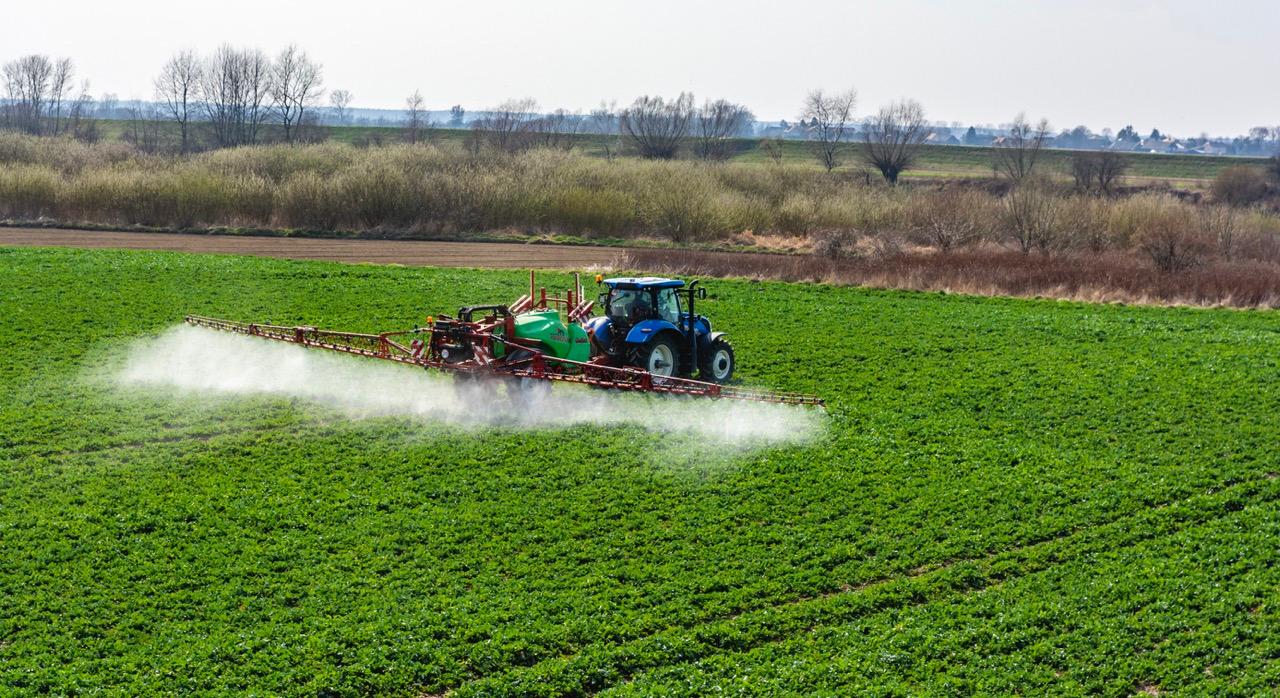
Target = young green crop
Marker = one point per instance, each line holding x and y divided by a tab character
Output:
1008	496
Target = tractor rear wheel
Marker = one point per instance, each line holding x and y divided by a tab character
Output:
716	365
657	356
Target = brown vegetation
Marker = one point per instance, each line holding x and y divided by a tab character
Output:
424	190
993	271
1239	186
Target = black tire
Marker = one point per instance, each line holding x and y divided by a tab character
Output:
658	356
717	364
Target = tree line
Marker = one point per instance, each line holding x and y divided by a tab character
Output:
233	93
235	96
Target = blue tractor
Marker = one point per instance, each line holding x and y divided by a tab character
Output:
650	323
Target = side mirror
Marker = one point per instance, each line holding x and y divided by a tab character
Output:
702	293
601	298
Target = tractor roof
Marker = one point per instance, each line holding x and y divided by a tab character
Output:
643	282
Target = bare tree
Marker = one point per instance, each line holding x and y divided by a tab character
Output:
1030	216
773	148
509	126
559	129
59	91
827	118
893	137
107	105
142	127
1174	247
26	84
603	122
177	89
339	104
657	127
234	89
1098	172
296	85
81	123
716	124
415	118
951	218
457	116
1015	154
1221	224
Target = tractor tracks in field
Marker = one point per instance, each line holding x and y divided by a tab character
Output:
597	667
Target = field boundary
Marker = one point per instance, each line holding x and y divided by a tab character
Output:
435	253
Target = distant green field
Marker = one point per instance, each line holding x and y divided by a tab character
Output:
934	161
1005	497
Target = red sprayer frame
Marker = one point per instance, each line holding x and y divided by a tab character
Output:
429	347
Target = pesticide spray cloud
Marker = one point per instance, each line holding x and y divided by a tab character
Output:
191	359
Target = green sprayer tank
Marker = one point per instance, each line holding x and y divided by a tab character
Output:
545	328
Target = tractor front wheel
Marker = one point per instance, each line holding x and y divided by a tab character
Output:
717	364
657	356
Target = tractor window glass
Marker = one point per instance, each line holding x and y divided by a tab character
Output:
669	306
630	305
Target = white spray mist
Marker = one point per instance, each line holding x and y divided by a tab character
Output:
197	360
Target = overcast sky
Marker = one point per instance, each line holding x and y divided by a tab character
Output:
1184	66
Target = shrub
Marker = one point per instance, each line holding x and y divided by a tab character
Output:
592	212
1098	172
1220	224
1240	185
307	201
835	244
1030	216
65	155
951	217
682	207
1173	240
425	187
797	214
1127	219
377	196
1083	224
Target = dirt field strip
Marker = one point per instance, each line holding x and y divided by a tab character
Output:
496	255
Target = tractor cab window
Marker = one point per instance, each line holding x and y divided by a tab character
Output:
669	306
630	305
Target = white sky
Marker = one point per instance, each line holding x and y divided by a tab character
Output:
1184	66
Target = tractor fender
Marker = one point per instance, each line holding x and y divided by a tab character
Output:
709	339
642	332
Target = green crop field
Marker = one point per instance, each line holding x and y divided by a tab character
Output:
1004	496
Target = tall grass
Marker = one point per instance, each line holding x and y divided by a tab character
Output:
410	189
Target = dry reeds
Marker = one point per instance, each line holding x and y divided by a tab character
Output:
403	190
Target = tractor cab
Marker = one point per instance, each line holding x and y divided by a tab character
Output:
630	301
650	323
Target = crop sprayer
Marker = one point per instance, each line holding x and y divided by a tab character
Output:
648	339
